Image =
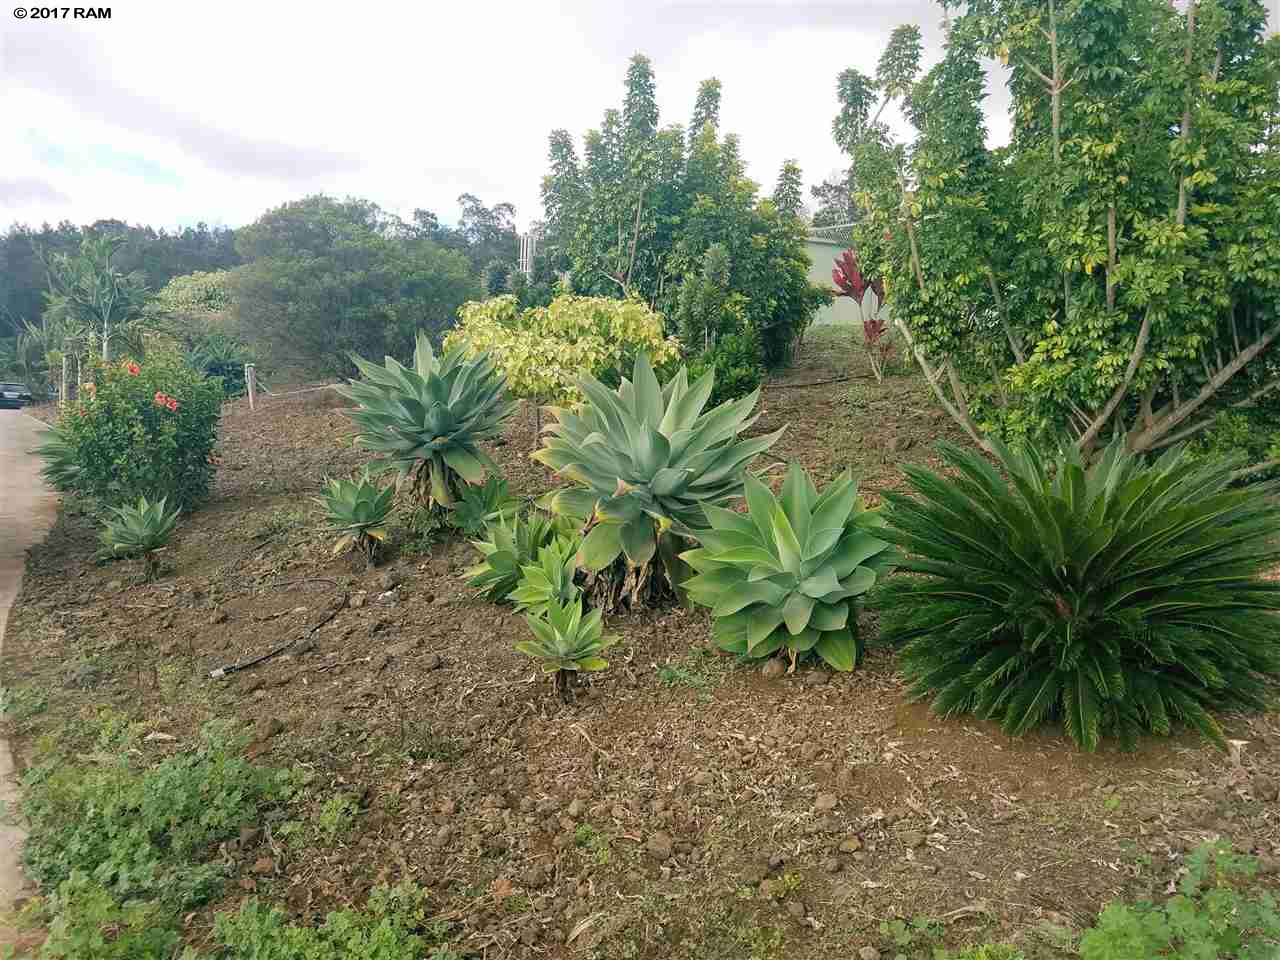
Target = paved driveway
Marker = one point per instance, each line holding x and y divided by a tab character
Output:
27	510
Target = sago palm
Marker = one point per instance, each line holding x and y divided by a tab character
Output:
645	458
1119	598
429	420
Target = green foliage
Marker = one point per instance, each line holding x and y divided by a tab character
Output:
137	530
22	703
788	573
142	429
645	459
391	927
327	278
706	309
357	510
566	642
428	420
1119	597
61	468
509	545
542	350
497	277
142	835
1215	915
549	581
1111	268
92	298
337	816
481	505
735	361
88	923
985	951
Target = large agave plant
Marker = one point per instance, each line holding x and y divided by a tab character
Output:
429	420
1118	598
138	530
566	642
357	510
787	575
646	458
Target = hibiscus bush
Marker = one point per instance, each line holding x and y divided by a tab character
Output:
142	429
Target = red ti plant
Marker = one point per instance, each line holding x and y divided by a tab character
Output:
877	336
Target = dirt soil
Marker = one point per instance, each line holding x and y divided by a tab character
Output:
685	807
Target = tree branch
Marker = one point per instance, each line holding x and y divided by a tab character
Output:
1261	391
933	377
1139	349
1260	467
1015	343
1180	412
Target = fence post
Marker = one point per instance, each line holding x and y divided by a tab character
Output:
62	388
251	382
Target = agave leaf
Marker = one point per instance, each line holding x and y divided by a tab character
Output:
601	546
838	648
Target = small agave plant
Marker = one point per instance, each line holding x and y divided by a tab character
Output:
565	642
357	510
483	504
61	467
138	530
788	573
549	581
645	458
429	420
508	545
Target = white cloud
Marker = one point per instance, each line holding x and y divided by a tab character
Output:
231	109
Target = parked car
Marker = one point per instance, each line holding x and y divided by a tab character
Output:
15	395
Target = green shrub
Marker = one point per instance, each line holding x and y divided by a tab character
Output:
566	642
735	359
646	458
139	529
392	927
357	510
143	835
87	923
429	420
1215	915
142	429
543	350
1122	597
788	573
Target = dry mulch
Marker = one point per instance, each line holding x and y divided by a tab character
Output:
685	806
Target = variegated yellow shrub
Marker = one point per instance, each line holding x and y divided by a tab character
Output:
541	350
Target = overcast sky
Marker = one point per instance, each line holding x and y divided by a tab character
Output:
173	112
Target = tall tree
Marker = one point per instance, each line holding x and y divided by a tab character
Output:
637	216
788	195
330	277
706	109
89	293
1115	269
833	198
